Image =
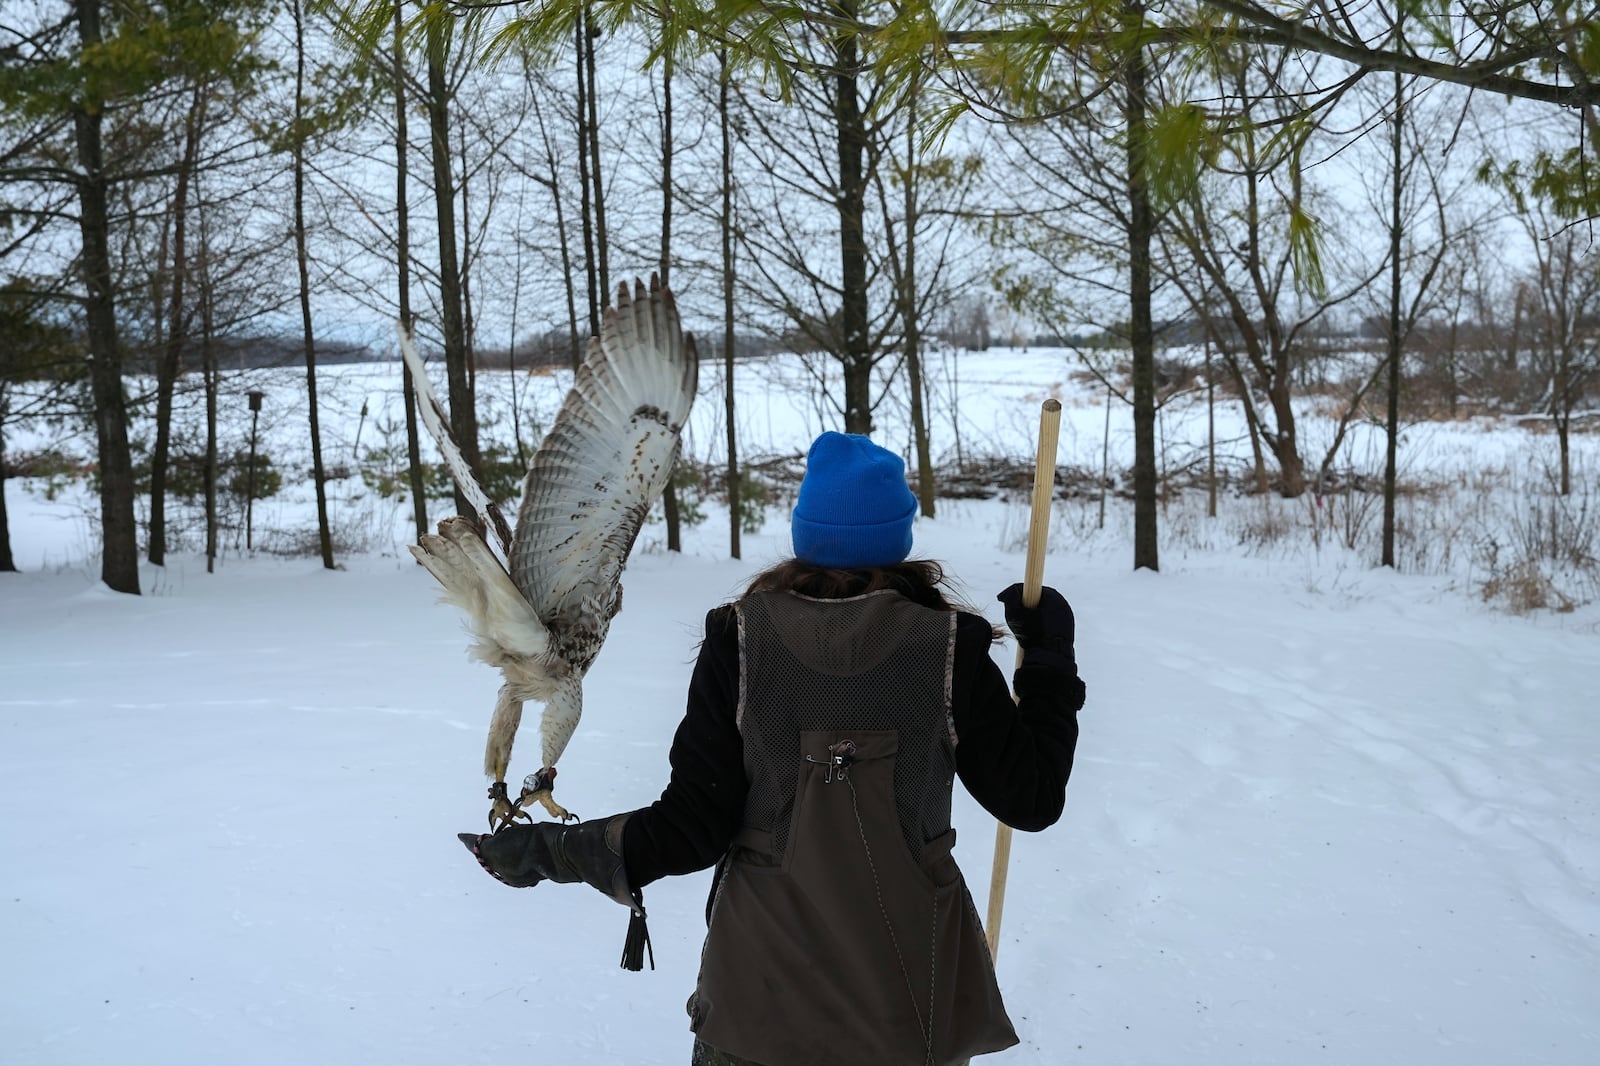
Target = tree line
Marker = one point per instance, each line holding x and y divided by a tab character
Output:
850	179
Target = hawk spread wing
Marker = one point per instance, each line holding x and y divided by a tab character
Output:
590	486
607	458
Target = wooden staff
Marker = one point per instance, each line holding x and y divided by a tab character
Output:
1044	481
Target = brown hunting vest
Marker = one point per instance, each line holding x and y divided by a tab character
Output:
841	932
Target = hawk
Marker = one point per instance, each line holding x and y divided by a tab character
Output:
541	616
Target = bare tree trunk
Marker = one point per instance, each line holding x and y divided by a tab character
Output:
1561	406
469	331
728	279
172	356
1211	437
1141	228
601	242
953	389
669	495
8	563
208	370
1563	428
511	341
119	556
851	129
463	405
1284	441
585	208
402	152
1258	457
324	534
666	167
1566	297
1251	420
1452	358
1513	351
913	328
1391	427
1105	463
158	282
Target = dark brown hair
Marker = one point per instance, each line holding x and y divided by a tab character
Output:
919	580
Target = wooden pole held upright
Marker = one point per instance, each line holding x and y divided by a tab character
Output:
1044	480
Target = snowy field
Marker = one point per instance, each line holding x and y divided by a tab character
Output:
1321	813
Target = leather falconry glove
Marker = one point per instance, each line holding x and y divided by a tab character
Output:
591	852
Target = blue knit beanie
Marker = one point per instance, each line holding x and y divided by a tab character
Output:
855	509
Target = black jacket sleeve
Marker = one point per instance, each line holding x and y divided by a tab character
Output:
695	819
1014	756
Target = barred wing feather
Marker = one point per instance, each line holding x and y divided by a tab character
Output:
605	461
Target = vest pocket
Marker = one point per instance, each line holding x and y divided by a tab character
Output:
847	854
853	773
862	952
844	787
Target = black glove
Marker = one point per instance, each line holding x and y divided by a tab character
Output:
1047	627
523	855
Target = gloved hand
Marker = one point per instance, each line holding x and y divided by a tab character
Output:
518	855
1048	626
523	855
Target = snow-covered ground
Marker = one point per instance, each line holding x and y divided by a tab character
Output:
1321	813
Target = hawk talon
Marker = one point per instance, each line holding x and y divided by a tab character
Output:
548	803
502	816
539	786
503	811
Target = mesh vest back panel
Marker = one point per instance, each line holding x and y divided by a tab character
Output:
871	662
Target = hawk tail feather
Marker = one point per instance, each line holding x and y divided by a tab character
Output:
504	626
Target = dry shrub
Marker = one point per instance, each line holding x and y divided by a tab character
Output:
1352	513
1268	527
1541	551
1430	533
1561	529
1524	588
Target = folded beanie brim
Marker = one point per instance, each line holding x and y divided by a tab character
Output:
854	546
854	509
